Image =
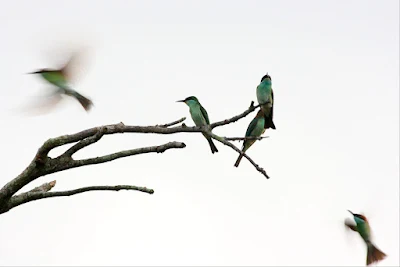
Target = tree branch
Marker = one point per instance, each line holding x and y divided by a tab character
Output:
34	195
171	123
43	165
43	188
85	142
245	138
235	118
63	162
127	153
222	140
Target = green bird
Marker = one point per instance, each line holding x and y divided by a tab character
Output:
59	78
199	116
255	129
363	228
265	97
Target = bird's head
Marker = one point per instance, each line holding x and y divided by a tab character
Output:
359	218
265	77
189	100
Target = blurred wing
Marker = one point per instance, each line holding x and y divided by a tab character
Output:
75	65
42	105
350	225
205	115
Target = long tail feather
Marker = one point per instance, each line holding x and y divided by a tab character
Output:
238	160
268	122
212	146
85	102
374	254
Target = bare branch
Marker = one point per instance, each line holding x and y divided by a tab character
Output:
122	128
32	196
85	142
61	163
222	140
171	123
43	188
43	165
235	118
245	138
127	153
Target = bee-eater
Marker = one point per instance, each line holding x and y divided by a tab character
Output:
363	228
255	129
265	97
199	116
59	78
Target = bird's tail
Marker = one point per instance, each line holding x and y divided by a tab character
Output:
85	102
212	146
374	254
268	115
238	160
269	123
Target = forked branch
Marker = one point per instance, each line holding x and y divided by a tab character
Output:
41	194
43	165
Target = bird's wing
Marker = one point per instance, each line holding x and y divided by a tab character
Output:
205	115
43	104
66	70
251	127
273	102
75	65
350	225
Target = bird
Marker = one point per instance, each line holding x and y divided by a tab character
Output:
265	97
363	228
59	78
255	129
199	116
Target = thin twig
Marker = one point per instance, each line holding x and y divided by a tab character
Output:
127	153
32	196
245	138
235	118
171	123
85	142
222	140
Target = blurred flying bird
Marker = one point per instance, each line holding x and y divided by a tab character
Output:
61	79
255	129
199	116
363	228
265	97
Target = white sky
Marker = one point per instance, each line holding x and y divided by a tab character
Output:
335	74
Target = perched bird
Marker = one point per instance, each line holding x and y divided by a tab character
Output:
265	97
59	78
363	228
199	116
255	129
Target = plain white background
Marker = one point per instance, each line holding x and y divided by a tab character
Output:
334	68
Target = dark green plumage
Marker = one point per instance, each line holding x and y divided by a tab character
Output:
255	129
265	97
200	117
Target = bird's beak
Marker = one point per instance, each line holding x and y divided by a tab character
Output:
180	101
33	72
350	212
